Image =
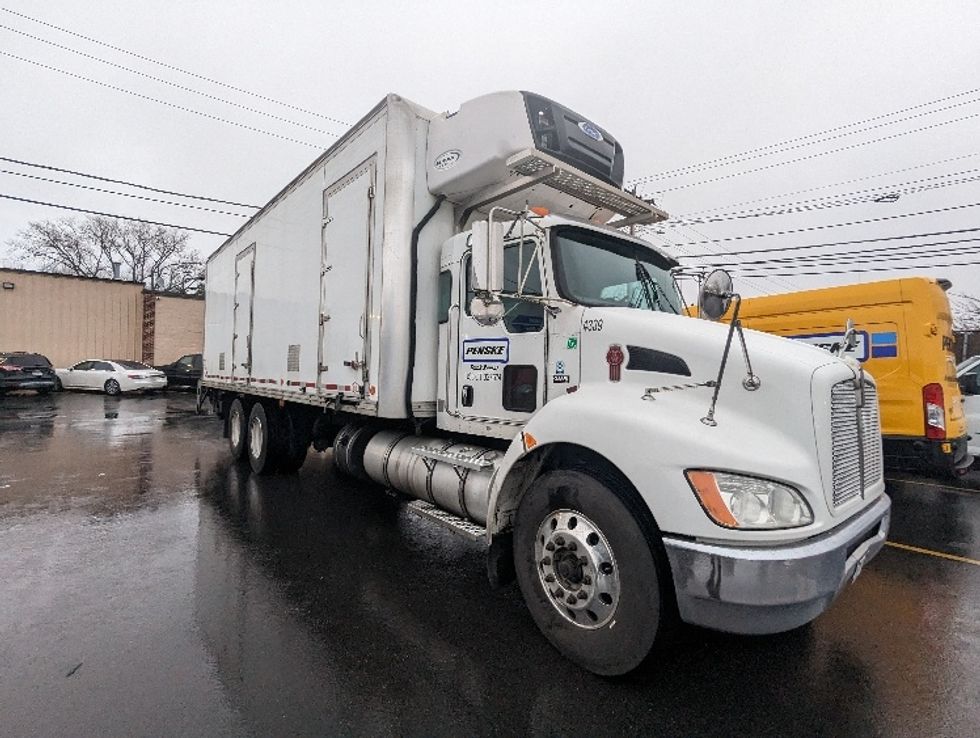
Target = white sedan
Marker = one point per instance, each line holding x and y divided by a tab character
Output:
111	377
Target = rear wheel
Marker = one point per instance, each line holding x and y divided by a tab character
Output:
263	437
237	427
296	439
587	572
112	387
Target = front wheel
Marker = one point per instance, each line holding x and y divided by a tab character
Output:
112	387
588	572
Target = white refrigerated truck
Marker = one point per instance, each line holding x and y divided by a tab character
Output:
455	304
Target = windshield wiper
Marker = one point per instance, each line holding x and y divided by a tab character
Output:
650	288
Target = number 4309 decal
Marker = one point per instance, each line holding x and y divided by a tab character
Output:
592	325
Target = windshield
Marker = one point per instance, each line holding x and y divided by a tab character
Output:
601	270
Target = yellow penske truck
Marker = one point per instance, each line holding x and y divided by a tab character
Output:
904	338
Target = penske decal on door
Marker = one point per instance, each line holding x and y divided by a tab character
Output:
486	350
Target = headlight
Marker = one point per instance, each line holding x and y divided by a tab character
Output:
738	501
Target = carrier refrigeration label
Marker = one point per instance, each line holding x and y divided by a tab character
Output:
486	350
832	342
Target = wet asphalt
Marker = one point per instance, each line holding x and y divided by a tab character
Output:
149	586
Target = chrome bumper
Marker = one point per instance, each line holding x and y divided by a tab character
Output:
773	589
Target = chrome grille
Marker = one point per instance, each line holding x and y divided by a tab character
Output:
854	445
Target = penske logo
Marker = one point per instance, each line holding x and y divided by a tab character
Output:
486	350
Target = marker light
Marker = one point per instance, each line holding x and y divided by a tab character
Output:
749	503
935	411
540	211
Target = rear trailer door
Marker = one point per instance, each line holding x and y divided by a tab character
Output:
345	285
241	339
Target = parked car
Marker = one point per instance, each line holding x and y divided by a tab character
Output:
112	376
22	370
968	375
185	372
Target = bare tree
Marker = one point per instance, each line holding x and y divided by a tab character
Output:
154	256
966	312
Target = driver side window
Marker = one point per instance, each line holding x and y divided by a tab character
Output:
522	271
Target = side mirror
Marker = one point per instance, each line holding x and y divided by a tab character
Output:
488	257
970	384
715	295
487	312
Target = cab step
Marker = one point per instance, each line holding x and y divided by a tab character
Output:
458	525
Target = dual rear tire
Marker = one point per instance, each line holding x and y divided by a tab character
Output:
268	437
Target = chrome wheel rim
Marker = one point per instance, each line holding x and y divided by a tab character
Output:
255	436
236	428
577	569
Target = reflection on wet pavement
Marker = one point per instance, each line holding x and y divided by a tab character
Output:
185	595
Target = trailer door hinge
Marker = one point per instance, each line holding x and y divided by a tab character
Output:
324	318
326	269
370	192
322	368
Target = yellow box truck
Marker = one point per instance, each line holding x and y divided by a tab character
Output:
904	340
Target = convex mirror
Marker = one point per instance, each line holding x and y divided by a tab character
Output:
715	295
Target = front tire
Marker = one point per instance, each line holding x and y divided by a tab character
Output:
112	387
588	572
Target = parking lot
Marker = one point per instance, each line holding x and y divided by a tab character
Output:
152	587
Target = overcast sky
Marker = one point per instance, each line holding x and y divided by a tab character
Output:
678	83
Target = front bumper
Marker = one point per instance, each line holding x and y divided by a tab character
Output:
773	589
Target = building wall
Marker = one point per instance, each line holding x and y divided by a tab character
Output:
70	318
178	327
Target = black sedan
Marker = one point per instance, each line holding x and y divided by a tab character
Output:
21	370
185	372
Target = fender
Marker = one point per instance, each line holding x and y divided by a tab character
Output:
652	443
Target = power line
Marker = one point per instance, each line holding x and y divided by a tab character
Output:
808	229
171	84
127	184
898	253
162	102
782	249
817	154
828	201
779	148
123	194
860	271
784	285
113	215
826	186
176	68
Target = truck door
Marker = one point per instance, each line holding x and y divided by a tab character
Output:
345	282
500	367
241	339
